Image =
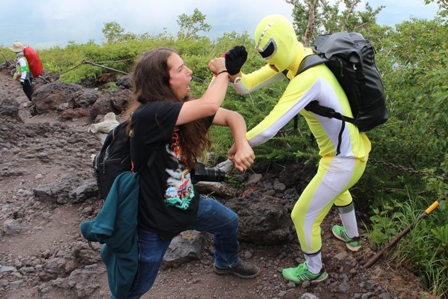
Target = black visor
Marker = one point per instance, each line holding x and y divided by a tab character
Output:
268	51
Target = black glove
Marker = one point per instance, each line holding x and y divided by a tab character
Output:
235	58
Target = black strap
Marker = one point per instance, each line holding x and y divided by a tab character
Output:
338	148
152	156
308	62
316	108
330	113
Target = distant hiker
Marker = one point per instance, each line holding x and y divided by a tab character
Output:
23	72
344	152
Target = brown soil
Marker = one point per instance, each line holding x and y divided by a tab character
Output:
48	228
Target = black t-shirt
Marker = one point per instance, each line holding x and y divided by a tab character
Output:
168	202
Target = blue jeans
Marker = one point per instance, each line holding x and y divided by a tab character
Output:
212	217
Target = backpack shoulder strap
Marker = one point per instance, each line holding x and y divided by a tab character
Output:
310	61
314	106
152	156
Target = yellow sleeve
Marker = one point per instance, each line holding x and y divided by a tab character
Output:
248	83
299	92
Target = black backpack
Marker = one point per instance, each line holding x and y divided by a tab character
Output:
351	58
114	158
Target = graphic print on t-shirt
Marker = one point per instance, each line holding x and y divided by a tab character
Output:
180	190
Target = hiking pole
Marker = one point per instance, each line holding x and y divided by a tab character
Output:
401	235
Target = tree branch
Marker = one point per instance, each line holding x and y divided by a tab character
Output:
311	20
349	12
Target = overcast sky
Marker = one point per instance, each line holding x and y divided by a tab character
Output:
47	23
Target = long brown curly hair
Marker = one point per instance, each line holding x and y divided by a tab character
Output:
151	83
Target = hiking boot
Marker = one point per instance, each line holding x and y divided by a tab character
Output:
354	244
242	269
300	274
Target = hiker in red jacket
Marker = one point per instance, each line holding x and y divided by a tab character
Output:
23	72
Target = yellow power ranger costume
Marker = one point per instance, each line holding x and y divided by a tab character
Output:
276	41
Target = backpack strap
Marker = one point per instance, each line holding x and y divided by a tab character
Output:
307	62
152	156
314	106
310	61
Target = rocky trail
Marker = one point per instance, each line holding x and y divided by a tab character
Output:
48	190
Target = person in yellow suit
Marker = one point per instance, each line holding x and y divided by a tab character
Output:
343	158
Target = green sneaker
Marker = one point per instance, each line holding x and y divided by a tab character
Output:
300	274
354	244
